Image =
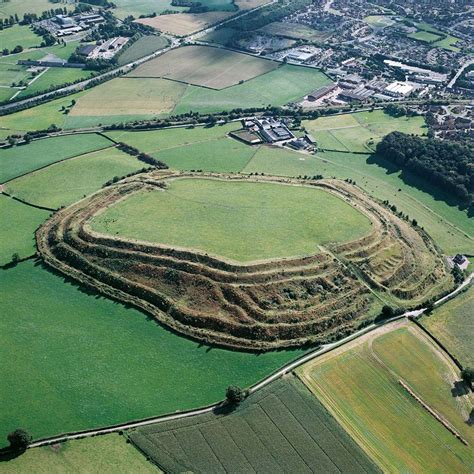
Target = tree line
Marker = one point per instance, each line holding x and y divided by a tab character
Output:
448	165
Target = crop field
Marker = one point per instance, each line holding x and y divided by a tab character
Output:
183	24
282	428
145	98
360	385
127	99
92	350
267	220
18	35
286	84
294	31
450	227
453	325
142	47
205	66
63	183
361	131
19	160
17	232
106	454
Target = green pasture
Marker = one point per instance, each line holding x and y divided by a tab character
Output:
146	7
361	387
220	36
20	7
379	21
19	160
142	47
243	221
281	428
55	77
154	141
108	454
278	87
6	93
425	36
453	325
62	51
91	362
19	223
294	31
68	181
12	73
450	227
39	117
17	35
448	43
221	155
360	132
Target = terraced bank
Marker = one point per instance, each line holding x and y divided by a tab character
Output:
258	305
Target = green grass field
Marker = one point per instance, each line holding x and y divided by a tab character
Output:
360	131
238	220
285	84
139	98
19	35
453	325
12	73
68	181
146	7
92	362
155	141
55	77
17	232
142	47
281	428
360	386
450	227
20	7
294	31
19	160
40	117
425	36
106	454
379	21
448	43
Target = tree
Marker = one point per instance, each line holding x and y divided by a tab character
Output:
15	258
387	312
458	275
19	439
467	375
234	395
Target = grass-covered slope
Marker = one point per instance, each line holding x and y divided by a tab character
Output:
19	223
63	183
281	428
453	325
79	361
19	160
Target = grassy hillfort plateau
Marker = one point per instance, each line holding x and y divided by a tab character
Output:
236	236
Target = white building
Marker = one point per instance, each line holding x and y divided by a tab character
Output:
399	89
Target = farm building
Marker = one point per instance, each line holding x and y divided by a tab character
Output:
272	130
321	92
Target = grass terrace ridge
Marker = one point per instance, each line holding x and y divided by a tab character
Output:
296	295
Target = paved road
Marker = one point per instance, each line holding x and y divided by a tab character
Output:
284	370
461	69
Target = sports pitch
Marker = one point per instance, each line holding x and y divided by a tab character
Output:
239	221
